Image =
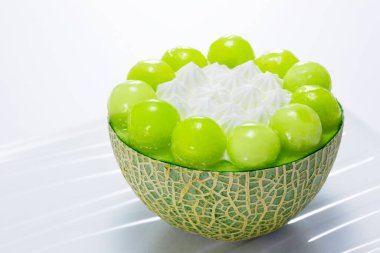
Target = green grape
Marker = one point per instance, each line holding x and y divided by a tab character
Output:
287	156
230	50
180	56
252	146
123	97
298	126
152	72
276	61
150	125
198	142
322	102
307	73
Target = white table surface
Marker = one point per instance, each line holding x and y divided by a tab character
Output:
60	188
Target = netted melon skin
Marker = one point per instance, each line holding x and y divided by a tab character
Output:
229	206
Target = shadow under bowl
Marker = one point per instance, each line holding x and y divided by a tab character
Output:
229	206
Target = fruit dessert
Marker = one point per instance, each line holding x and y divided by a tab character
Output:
227	112
228	146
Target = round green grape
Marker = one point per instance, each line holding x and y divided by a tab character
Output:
322	102
276	61
180	56
124	96
306	73
198	142
298	127
287	156
152	72
230	50
150	125
253	146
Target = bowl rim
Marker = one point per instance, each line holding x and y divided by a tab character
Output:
337	132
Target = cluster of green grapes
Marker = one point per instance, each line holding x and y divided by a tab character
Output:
154	127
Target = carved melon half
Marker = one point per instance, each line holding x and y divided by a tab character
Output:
228	206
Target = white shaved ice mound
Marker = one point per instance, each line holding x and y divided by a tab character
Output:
231	97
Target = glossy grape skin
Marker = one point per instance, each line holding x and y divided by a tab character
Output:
122	98
287	156
180	56
298	127
198	142
150	125
152	72
306	73
230	50
253	146
322	102
126	95
276	61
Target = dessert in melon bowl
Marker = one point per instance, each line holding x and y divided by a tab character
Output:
229	147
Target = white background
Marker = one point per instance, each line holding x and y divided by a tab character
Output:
60	59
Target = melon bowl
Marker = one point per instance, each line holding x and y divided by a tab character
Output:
229	206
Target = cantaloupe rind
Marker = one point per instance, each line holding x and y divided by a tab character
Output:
229	206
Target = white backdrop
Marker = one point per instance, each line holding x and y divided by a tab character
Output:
60	59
